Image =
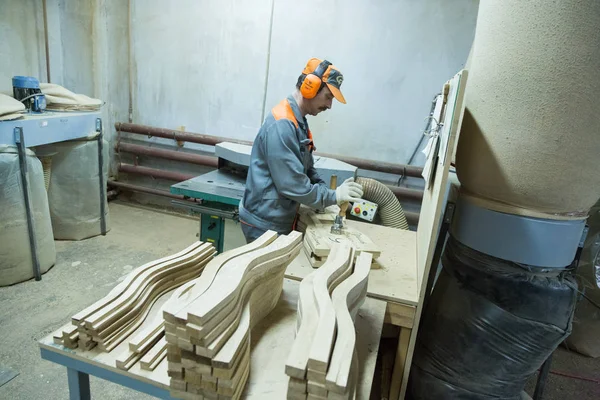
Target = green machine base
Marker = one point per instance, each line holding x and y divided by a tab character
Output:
212	230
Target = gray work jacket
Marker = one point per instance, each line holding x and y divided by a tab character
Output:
282	173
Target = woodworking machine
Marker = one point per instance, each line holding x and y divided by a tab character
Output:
219	192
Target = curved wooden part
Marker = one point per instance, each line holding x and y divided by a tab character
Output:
225	316
110	313
175	312
146	304
150	293
346	299
262	300
124	285
297	360
338	266
141	338
350	394
233	272
258	306
338	263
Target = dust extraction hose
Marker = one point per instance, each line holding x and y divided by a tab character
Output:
390	210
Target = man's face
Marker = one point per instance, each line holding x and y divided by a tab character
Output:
321	102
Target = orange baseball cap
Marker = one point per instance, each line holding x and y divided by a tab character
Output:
332	77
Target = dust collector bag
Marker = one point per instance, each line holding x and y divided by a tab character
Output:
489	324
73	193
16	264
529	138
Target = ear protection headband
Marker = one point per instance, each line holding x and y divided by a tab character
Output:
312	82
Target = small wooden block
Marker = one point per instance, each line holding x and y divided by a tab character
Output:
297	385
317	389
177	384
178	394
171	338
197	390
315	376
176	375
293	395
209	383
185	344
193	377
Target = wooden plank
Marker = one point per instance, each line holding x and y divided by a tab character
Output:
339	262
400	362
348	296
228	387
154	356
433	204
172	312
400	315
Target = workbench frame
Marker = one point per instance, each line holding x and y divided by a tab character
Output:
19	141
78	375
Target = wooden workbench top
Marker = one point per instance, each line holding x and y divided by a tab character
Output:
272	340
393	277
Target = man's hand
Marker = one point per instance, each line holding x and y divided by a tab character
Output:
348	191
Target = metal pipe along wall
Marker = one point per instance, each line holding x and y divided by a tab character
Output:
210	140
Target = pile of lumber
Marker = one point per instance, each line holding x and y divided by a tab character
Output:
323	363
318	237
208	328
113	319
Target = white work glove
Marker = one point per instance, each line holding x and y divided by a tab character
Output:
348	191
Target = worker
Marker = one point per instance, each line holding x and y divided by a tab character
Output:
282	174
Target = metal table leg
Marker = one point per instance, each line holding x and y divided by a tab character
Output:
79	385
101	176
22	151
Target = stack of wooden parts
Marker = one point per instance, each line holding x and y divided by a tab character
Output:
322	363
111	320
208	328
318	238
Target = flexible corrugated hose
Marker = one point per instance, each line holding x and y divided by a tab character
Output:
390	210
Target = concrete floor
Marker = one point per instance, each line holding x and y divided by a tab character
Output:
85	271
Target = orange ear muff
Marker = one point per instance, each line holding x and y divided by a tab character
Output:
312	82
310	86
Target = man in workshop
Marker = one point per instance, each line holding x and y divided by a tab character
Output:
282	174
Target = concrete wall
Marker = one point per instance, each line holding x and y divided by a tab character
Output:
218	67
200	64
203	65
88	49
22	50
